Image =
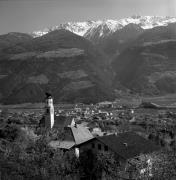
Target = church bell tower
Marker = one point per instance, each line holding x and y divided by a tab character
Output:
49	111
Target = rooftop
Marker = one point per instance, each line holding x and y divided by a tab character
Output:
62	121
73	135
128	145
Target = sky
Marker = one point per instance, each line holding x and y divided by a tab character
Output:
30	15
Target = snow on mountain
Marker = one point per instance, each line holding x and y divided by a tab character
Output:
148	22
103	28
79	28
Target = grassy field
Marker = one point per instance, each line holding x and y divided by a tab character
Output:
168	100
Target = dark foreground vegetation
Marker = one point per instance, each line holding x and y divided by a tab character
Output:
25	154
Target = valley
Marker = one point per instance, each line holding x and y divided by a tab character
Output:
89	100
90	61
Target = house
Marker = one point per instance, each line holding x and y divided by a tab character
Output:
105	104
125	145
60	121
72	136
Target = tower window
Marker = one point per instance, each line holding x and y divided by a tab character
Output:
106	148
99	146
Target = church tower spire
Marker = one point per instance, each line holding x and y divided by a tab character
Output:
49	111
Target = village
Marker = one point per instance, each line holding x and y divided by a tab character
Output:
137	134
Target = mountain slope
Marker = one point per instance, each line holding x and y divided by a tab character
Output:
74	69
67	65
148	66
115	43
156	34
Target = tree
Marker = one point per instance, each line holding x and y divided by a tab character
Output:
156	166
36	161
98	165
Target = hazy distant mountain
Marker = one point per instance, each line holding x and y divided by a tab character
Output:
148	65
67	65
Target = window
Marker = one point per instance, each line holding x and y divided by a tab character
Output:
106	148
93	145
99	146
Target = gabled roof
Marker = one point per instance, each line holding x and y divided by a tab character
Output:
62	121
72	135
62	144
128	145
59	121
81	134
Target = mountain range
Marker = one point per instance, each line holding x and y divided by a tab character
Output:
89	61
102	28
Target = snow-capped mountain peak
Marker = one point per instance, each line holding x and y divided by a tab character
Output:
103	28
